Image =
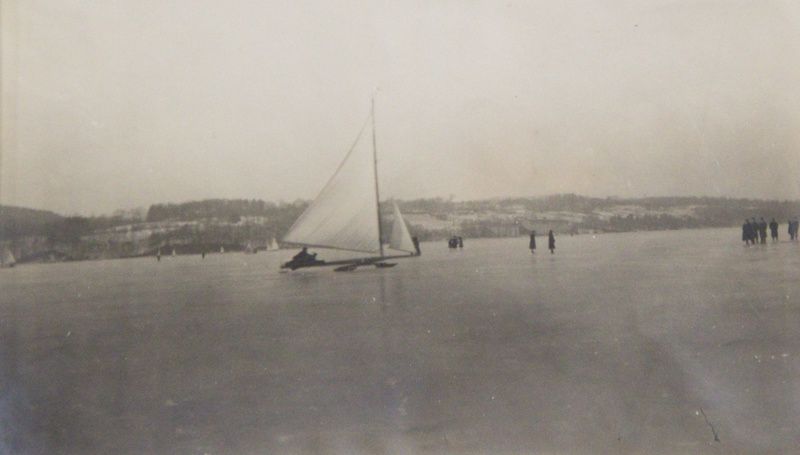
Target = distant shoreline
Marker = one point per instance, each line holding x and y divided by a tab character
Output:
236	224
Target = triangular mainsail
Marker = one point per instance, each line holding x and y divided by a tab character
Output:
401	239
343	216
346	215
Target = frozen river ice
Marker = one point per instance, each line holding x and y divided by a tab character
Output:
612	345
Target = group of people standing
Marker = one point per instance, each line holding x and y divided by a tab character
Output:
756	231
793	224
551	242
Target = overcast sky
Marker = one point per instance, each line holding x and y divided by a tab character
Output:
118	104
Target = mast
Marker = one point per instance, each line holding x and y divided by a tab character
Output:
375	163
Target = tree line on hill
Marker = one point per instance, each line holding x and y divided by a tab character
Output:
237	221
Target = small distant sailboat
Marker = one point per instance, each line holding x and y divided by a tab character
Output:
7	259
173	252
346	215
273	245
221	249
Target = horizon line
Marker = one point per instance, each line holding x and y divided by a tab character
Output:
449	198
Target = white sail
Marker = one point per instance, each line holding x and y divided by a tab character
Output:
345	213
400	239
273	245
7	258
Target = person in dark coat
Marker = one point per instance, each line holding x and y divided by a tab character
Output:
415	241
746	232
453	242
773	228
532	244
551	241
303	256
460	242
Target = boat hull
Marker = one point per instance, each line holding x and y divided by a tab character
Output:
350	264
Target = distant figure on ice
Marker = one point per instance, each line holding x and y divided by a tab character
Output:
762	230
793	224
453	242
747	232
773	228
753	231
551	241
532	244
754	225
415	241
460	242
158	255
203	254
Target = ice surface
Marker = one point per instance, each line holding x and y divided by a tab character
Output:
612	345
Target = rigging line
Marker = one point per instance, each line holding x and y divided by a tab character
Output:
375	163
